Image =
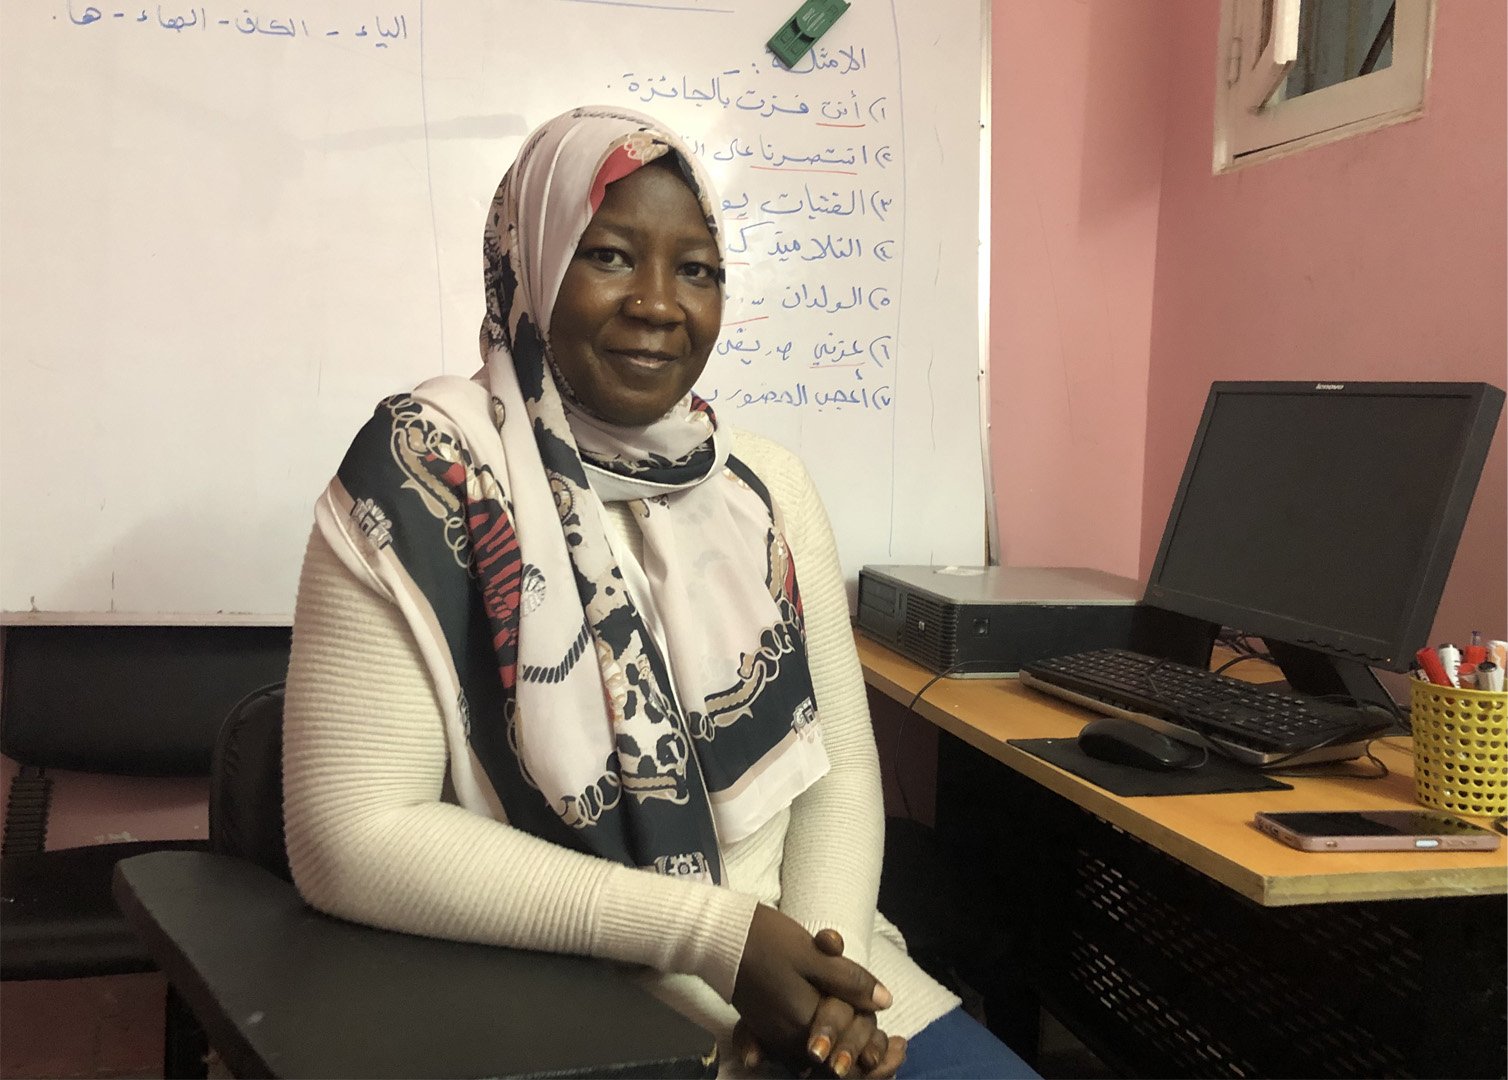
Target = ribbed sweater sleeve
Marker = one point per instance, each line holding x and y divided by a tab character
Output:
370	838
835	845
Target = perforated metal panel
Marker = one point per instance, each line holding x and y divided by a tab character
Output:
930	632
1164	972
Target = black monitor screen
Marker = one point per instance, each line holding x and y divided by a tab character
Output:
1325	515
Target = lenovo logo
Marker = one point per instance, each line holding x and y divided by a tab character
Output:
1329	386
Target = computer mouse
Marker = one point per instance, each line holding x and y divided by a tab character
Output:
1125	742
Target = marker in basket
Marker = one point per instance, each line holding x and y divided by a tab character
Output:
1429	663
1474	653
1450	658
1489	677
1466	675
1497	652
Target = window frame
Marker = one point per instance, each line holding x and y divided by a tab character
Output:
1248	131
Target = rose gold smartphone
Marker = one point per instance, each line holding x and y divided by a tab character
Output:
1376	830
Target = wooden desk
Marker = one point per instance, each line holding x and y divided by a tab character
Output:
1176	940
1211	833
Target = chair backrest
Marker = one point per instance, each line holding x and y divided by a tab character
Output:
130	700
138	701
246	783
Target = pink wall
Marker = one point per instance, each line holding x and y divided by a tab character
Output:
1125	277
1377	257
1078	109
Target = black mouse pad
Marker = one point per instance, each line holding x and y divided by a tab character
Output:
1216	775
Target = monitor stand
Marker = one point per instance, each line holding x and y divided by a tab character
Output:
1170	635
1184	639
1321	675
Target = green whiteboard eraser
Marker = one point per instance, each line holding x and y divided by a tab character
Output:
801	31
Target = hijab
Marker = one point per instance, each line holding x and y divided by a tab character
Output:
645	710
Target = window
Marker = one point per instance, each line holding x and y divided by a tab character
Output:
1296	73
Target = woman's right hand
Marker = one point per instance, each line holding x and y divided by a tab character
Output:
783	978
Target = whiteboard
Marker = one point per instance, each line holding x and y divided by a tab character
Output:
226	232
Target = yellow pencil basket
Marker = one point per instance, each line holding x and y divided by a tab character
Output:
1461	749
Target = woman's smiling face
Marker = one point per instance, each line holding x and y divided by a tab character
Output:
641	303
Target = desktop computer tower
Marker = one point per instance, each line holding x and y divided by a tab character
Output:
990	620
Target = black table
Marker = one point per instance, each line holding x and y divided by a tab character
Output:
282	990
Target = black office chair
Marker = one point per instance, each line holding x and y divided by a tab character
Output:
125	700
246	783
289	991
245	822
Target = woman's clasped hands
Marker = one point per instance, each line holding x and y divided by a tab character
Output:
802	1002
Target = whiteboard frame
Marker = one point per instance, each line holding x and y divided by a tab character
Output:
986	142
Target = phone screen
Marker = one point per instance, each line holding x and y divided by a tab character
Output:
1374	823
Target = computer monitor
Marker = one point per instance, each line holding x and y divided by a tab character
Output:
1322	517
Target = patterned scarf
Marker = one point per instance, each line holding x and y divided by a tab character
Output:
642	711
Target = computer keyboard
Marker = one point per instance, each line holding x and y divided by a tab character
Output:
1241	720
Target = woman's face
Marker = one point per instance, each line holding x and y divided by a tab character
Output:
640	307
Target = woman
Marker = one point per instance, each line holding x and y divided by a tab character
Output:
550	634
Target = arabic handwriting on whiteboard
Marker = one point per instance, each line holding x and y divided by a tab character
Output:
813	204
385	29
839	61
829	243
803	295
745	91
799	396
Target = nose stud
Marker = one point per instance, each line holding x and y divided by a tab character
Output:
639	302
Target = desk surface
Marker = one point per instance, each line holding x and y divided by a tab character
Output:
285	991
1212	833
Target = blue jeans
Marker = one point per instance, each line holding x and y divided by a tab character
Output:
956	1045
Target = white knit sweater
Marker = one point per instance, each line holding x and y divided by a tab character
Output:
372	836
